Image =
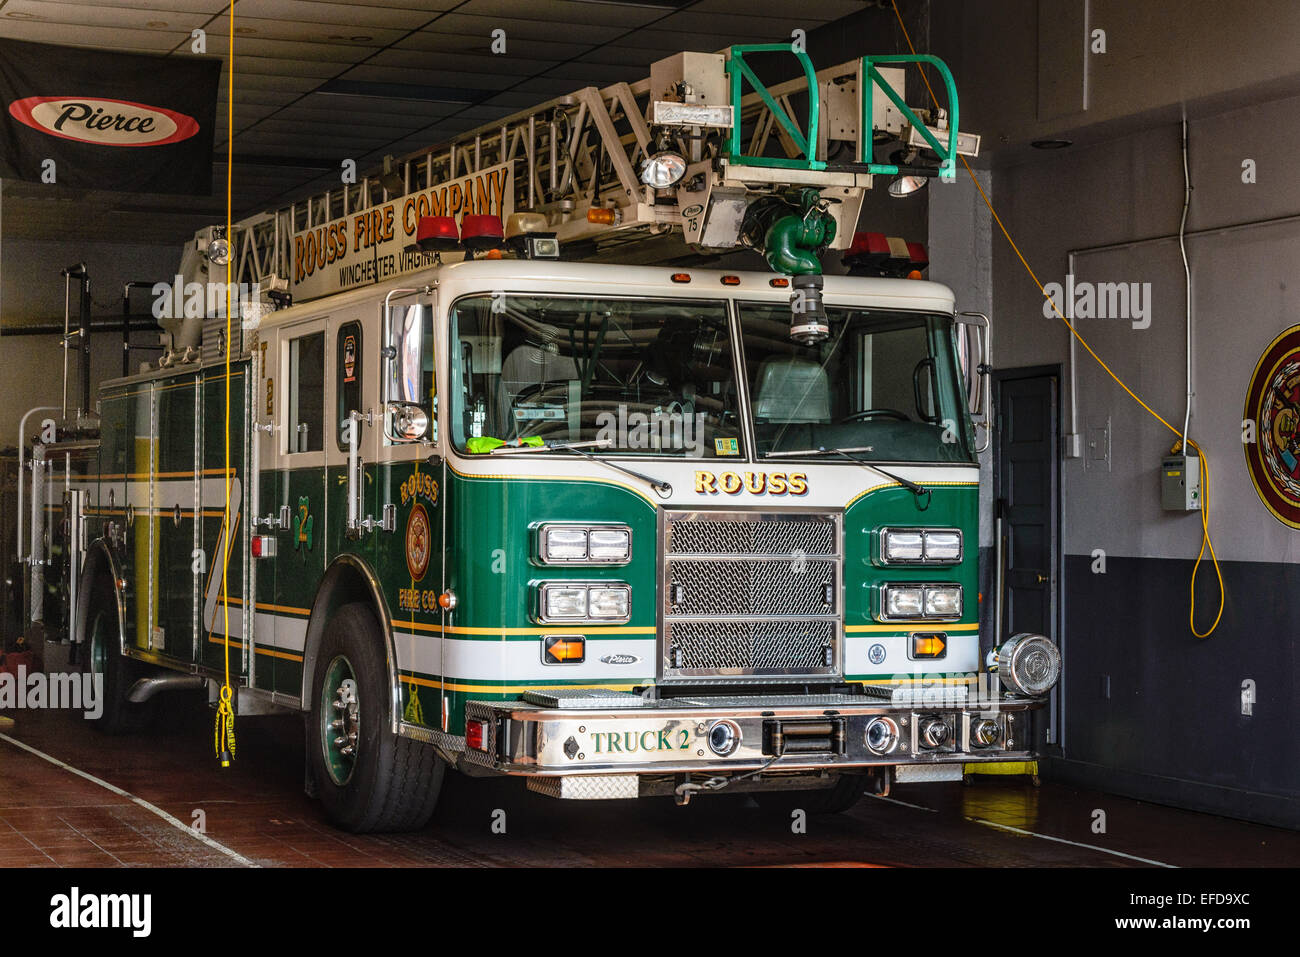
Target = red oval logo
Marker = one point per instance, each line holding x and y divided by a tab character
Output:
103	122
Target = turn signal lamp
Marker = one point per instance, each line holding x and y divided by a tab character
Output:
437	234
933	645
476	735
564	649
602	215
480	233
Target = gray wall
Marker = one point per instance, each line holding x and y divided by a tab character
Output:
1169	725
32	292
1243	291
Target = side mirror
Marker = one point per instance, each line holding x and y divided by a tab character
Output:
974	340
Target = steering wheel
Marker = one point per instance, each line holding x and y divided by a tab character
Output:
872	413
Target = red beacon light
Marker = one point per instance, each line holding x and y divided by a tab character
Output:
480	233
437	234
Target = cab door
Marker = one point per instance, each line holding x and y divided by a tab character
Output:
411	484
302	438
350	449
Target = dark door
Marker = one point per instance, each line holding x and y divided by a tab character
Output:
1026	525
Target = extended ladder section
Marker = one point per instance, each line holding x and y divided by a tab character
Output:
702	146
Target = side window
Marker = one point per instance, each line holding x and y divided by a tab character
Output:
306	425
348	376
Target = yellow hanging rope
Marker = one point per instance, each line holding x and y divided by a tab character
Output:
225	731
1204	463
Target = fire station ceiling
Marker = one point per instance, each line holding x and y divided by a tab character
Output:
319	81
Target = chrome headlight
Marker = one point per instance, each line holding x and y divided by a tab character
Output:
927	601
1028	664
584	544
595	602
920	546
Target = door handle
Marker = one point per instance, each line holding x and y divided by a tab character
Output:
1040	578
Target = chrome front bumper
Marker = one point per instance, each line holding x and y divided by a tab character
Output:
594	733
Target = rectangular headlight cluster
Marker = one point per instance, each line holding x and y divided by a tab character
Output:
920	546
584	544
598	602
907	601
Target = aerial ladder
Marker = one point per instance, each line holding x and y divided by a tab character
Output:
701	153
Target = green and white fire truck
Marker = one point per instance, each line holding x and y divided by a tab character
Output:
515	491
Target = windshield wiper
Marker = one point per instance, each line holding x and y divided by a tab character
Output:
661	487
911	486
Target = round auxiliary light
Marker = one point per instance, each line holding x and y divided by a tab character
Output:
882	735
985	732
907	185
663	170
218	252
1028	664
724	738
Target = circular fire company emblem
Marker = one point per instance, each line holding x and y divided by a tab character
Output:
1273	406
418	542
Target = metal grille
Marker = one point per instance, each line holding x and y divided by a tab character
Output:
751	596
782	588
732	537
762	647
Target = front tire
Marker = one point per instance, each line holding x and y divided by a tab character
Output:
367	777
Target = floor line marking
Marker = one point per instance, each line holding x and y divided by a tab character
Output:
151	808
919	807
1061	840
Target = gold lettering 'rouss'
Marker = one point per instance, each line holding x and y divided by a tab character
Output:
751	483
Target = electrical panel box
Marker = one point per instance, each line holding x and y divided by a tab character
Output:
1180	483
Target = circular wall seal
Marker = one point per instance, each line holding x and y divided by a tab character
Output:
1273	406
418	542
876	653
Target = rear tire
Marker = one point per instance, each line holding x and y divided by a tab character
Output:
367	777
837	798
103	657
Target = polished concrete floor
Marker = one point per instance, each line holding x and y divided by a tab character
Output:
255	812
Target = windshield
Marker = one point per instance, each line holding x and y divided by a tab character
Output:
647	377
883	382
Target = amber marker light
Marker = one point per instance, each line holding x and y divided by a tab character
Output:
602	215
932	645
564	649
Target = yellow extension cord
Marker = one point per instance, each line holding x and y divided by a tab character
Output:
225	730
1203	462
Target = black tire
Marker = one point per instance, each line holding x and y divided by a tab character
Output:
387	782
837	798
102	646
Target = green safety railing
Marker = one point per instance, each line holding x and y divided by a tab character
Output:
739	71
873	78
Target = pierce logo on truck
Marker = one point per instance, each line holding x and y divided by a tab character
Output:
103	122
